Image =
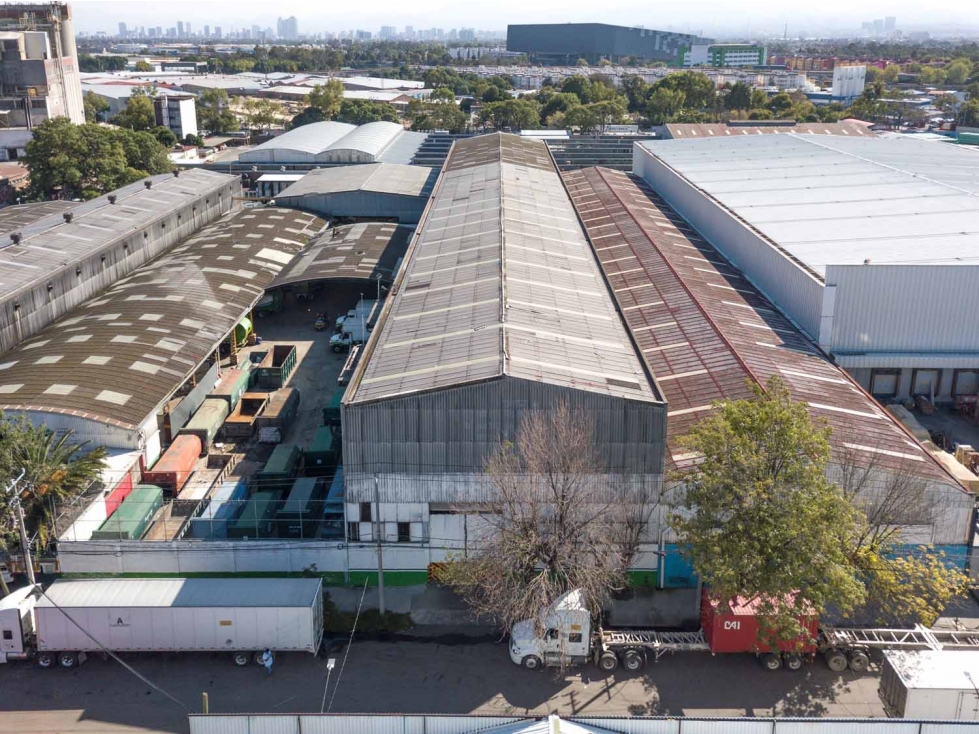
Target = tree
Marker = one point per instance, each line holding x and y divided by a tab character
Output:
969	114
494	94
442	94
97	64
958	71
164	135
143	66
138	114
145	154
261	114
664	104
326	98
932	75
426	116
362	111
191	139
636	91
759	516
559	102
307	117
890	73
759	99
95	107
580	117
738	97
214	112
780	104
697	87
55	470
609	112
513	114
558	521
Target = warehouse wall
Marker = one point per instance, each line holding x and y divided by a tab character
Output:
796	291
407	209
23	315
904	308
432	447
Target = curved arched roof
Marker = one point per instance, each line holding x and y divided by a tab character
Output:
117	357
304	143
366	142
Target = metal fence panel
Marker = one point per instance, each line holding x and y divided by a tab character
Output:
850	726
950	727
356	724
268	724
218	724
630	725
466	724
727	726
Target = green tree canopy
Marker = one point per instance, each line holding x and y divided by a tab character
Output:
307	117
95	107
326	98
958	71
513	114
664	104
261	114
738	97
143	66
426	116
362	111
214	112
138	114
164	135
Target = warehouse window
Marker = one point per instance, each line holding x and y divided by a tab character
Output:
365	511
926	383
965	382
884	383
353	532
8	634
404	532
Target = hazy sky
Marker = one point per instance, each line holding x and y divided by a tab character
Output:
709	16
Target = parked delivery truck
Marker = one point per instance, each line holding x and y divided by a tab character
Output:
241	616
566	635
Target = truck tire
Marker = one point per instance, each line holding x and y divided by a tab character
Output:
46	659
531	662
835	661
608	661
771	661
633	661
859	661
242	658
67	659
792	661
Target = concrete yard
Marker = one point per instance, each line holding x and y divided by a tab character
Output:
415	677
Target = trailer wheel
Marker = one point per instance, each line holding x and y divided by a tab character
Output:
241	658
633	660
67	660
608	661
46	659
531	662
859	661
792	661
835	661
771	661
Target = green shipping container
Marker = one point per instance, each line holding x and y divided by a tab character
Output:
331	413
232	385
130	520
320	457
276	366
207	421
300	514
282	466
256	520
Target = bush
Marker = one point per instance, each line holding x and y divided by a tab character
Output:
371	620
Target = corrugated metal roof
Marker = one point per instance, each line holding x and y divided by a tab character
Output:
381	178
50	245
500	280
117	357
704	330
403	148
369	139
136	592
833	200
687	131
14	217
361	251
307	139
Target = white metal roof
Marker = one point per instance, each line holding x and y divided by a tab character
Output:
936	669
370	139
172	592
381	178
835	200
308	139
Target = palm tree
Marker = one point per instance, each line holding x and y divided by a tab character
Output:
55	469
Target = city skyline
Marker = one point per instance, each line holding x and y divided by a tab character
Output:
761	17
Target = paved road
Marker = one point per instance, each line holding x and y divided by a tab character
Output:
414	677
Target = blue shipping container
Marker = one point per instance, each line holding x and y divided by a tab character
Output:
223	508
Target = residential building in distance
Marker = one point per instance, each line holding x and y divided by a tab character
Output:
567	42
178	112
39	75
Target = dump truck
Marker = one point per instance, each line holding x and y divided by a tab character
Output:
71	619
568	636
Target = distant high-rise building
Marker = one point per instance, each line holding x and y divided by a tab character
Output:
409	33
159	31
878	25
256	31
122	30
288	28
187	30
890	23
467	34
388	32
217	31
180	29
207	31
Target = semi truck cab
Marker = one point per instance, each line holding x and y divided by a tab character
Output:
566	639
17	624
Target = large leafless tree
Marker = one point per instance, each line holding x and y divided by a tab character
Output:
560	519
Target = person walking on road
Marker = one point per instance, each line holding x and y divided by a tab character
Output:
267	659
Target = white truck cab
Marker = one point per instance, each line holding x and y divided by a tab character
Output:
17	624
566	639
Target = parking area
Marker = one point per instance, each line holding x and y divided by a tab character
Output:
415	677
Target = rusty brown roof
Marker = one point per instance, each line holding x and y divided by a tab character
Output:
704	331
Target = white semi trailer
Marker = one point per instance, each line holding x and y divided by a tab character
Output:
240	616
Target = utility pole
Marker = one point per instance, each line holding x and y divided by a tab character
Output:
380	553
19	512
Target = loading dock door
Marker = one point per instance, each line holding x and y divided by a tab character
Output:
883	383
926	383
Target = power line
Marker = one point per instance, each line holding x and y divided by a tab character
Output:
350	642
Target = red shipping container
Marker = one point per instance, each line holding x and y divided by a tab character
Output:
733	626
118	494
174	468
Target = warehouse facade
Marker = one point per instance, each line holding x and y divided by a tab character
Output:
565	43
499	310
866	244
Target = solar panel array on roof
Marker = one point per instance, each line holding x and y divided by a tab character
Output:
117	357
704	330
500	280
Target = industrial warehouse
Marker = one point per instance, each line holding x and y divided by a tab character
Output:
237	420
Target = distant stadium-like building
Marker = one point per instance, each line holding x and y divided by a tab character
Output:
565	43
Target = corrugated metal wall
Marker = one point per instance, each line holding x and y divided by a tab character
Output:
345	724
408	209
417	440
797	293
905	308
189	405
